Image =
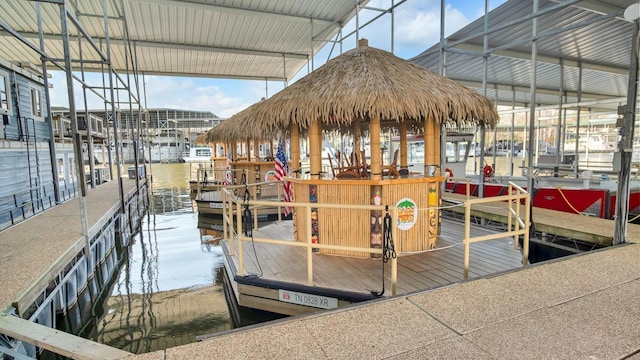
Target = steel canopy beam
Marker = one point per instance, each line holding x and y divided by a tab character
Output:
237	11
168	46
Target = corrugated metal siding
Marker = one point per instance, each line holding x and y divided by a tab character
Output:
190	38
22	126
25	178
603	47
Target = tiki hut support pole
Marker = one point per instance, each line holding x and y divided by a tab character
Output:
374	133
315	145
437	147
256	150
404	164
247	149
295	150
429	152
356	136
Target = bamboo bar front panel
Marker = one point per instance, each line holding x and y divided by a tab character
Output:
417	200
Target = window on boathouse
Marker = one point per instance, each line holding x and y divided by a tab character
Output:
36	103
5	102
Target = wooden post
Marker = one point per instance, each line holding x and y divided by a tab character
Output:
404	158
315	147
437	160
428	146
307	219
256	150
374	134
273	149
247	149
356	135
295	150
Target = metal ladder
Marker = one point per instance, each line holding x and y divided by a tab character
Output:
28	135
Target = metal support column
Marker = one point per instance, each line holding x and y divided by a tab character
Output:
626	142
52	145
77	141
532	94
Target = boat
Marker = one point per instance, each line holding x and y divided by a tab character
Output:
591	193
198	154
167	146
212	205
458	147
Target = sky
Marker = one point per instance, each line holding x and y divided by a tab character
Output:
417	27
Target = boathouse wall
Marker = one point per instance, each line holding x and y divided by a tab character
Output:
26	171
26	182
25	116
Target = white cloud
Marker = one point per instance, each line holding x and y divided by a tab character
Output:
416	26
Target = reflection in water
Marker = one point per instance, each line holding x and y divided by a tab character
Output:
170	288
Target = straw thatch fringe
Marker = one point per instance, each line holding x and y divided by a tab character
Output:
359	84
367	81
242	127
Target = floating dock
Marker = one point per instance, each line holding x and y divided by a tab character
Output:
271	269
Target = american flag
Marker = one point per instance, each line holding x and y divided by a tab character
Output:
282	170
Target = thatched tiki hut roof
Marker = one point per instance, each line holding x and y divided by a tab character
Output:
241	128
201	139
376	88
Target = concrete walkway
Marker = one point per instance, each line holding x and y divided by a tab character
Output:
581	307
33	250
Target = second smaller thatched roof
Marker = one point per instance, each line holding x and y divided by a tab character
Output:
242	127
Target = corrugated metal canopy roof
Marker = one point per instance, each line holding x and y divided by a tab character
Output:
571	33
213	38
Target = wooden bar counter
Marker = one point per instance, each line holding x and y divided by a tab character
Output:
417	200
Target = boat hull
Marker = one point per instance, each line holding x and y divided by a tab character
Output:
586	201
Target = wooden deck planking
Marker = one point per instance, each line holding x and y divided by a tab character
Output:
415	271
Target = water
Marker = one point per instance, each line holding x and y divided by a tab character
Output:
169	289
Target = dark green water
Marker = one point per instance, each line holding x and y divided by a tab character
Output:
169	289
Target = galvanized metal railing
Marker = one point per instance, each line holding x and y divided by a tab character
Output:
516	225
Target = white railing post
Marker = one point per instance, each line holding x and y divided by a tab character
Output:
394	260
467	236
307	219
280	199
468	189
255	207
510	212
240	236
527	225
